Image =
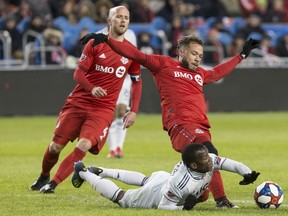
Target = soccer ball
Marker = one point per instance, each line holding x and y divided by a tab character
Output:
268	195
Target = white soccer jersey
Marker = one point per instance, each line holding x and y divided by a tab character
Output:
147	196
169	191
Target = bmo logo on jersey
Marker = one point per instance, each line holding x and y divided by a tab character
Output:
189	76
119	72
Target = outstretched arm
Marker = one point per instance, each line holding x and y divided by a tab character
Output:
241	169
151	62
222	70
125	48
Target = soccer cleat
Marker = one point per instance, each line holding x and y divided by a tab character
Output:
95	170
118	153
49	188
223	203
77	181
39	183
111	154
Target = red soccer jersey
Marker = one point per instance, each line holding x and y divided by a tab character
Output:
180	89
105	68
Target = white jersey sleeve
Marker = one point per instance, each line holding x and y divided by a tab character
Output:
227	164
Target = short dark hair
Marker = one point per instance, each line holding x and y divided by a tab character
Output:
190	153
184	41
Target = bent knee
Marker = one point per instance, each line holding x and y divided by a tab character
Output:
119	196
211	148
55	148
84	144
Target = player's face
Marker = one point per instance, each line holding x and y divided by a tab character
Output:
119	21
191	56
204	162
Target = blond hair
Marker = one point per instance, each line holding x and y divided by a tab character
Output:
113	10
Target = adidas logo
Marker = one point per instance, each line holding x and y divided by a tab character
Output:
102	56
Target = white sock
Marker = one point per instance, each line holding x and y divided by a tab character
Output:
112	138
128	177
106	188
116	136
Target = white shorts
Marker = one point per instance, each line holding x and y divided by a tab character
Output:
124	96
147	196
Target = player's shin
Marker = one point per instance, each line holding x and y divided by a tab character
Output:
216	185
105	187
128	177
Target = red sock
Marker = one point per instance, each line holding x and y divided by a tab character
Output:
216	185
48	162
67	165
204	196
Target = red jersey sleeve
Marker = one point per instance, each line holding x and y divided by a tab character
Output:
84	64
136	92
136	89
125	48
220	71
81	79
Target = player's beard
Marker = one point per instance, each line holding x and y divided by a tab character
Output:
185	63
119	31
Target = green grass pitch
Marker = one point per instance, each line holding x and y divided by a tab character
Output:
259	140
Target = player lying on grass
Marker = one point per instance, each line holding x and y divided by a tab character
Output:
176	191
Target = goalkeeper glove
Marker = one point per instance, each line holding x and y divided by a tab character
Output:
248	46
98	38
249	178
189	202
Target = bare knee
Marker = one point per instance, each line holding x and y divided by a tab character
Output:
55	148
84	144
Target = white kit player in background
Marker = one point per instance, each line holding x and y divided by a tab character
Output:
176	191
117	134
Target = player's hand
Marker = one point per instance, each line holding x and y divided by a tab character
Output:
98	92
249	178
98	38
189	202
248	46
129	119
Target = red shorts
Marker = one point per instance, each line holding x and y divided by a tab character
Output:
182	135
74	122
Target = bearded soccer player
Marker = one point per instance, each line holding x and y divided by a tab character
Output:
180	85
89	109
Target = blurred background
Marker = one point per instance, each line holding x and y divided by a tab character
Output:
39	49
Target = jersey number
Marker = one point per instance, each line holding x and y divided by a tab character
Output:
104	133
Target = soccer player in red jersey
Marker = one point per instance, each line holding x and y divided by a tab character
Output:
180	85
89	109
